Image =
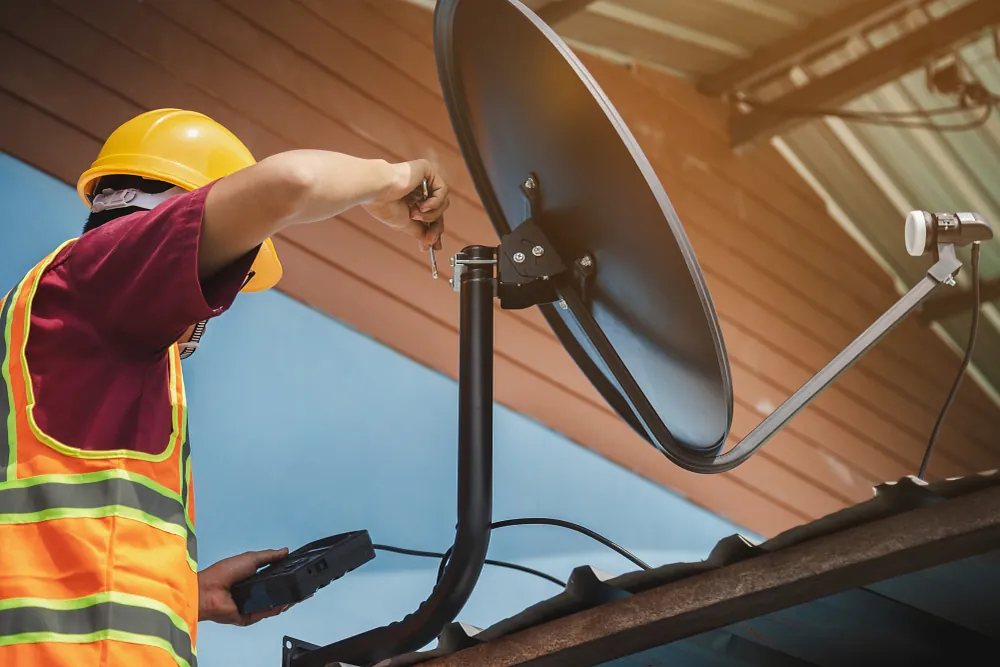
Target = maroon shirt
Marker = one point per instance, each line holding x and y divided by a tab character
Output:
105	313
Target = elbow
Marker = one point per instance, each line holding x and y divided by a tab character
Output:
297	181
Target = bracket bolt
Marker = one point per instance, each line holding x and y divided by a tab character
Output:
518	257
538	251
950	281
451	282
586	261
563	304
530	183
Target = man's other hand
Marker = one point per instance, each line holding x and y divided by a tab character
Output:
215	602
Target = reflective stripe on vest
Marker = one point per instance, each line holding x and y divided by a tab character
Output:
90	495
115	616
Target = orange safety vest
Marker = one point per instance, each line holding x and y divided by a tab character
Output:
97	548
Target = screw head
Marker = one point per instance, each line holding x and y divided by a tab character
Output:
538	251
451	282
950	281
586	261
563	304
518	257
530	183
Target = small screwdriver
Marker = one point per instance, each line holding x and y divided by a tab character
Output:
434	265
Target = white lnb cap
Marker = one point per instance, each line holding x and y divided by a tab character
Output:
916	233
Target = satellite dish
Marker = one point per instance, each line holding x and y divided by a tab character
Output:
532	111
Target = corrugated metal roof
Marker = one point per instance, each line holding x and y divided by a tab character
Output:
942	616
905	618
876	174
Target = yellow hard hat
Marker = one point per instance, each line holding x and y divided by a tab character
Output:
183	148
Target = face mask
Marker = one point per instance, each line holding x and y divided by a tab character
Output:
109	200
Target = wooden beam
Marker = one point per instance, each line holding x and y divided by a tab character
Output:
940	307
868	72
560	10
935	534
817	36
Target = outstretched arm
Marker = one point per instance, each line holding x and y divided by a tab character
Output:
303	186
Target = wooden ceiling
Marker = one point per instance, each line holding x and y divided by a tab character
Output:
359	77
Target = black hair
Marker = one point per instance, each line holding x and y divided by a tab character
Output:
95	220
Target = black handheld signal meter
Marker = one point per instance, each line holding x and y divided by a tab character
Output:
303	572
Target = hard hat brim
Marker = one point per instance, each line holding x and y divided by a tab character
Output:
266	269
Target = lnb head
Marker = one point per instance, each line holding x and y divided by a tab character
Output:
925	231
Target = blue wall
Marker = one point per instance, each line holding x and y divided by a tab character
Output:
303	427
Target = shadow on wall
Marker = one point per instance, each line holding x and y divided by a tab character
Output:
303	427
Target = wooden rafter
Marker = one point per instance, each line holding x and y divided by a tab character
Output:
866	73
815	37
560	10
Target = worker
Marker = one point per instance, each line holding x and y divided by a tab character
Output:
97	543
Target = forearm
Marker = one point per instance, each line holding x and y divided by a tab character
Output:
326	184
286	189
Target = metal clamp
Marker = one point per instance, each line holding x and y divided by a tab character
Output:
948	264
461	264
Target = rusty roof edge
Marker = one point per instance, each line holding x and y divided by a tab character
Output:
907	515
